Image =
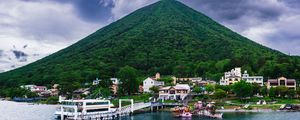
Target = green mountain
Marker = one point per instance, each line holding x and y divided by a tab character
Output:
167	37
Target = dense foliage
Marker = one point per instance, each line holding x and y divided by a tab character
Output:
166	37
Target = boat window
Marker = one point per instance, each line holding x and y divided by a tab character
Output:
97	103
69	110
97	110
67	103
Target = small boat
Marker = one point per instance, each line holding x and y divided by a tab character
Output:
186	115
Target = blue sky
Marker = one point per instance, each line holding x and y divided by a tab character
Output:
47	26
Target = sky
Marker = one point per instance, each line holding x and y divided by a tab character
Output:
33	29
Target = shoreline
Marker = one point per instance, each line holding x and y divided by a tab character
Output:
244	111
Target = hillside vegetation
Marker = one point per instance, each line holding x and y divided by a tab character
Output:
166	37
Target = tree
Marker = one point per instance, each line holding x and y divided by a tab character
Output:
105	83
298	91
220	94
263	90
226	88
256	88
209	88
168	81
281	91
128	80
197	89
154	89
242	89
291	93
272	92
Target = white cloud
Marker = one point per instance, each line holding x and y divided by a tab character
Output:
44	26
124	7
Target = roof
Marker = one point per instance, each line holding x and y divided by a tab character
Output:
177	87
276	80
40	87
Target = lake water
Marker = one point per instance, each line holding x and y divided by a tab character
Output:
24	111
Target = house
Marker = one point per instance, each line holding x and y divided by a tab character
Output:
282	81
29	87
55	90
187	80
96	82
206	82
81	91
152	81
115	84
178	92
253	79
40	90
231	77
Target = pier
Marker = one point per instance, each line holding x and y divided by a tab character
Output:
122	111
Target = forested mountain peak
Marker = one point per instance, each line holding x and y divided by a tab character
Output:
167	37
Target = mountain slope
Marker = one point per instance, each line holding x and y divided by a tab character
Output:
166	37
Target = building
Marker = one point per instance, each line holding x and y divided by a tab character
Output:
40	90
253	79
187	80
151	82
55	90
282	81
115	84
96	82
178	92
29	87
231	77
206	82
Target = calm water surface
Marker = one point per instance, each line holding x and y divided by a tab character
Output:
24	111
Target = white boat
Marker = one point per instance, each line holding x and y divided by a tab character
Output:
77	108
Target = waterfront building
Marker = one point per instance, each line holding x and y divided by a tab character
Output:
253	79
282	81
151	82
178	92
231	77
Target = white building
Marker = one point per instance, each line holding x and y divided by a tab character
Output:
29	87
150	82
115	81
253	79
96	82
231	77
178	92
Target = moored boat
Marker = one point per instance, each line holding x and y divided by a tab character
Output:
77	108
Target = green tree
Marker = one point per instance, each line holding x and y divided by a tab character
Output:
281	91
209	88
220	94
128	81
242	89
256	88
263	90
298	91
105	83
291	93
168	80
197	89
272	92
154	89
